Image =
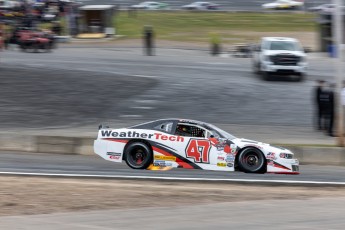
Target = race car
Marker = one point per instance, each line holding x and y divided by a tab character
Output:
201	6
150	6
283	4
190	144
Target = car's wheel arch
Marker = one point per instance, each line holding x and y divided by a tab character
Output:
247	147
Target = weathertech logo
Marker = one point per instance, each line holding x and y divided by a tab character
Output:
134	134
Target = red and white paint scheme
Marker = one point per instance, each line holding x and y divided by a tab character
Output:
181	143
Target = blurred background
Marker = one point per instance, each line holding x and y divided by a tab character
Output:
202	68
260	69
86	62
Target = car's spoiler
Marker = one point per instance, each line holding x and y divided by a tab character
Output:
101	126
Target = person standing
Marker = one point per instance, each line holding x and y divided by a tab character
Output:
148	36
319	104
330	110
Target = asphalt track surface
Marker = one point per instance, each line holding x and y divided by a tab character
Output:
224	4
75	87
17	162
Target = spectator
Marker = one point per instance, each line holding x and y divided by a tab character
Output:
319	108
56	28
148	40
343	94
330	110
324	103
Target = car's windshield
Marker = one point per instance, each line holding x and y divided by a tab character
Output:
284	45
219	132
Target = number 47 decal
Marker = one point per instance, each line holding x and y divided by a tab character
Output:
199	150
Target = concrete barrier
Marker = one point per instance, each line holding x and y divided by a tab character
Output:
14	142
319	155
84	146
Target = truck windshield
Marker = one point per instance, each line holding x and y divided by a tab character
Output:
284	45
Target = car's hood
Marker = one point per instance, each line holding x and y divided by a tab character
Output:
288	52
138	6
272	4
241	142
276	4
190	5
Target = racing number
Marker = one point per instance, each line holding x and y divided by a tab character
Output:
199	150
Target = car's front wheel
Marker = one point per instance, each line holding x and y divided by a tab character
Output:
138	155
266	75
252	160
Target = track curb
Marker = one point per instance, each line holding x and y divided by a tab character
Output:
253	182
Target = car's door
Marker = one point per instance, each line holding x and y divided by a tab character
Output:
195	145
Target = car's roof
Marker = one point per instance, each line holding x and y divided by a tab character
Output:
179	120
150	124
279	39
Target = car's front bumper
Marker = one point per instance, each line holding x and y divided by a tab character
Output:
283	166
301	68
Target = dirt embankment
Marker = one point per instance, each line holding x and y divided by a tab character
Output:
31	195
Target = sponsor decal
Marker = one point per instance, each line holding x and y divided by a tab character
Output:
198	150
270	162
218	143
230	158
114	155
230	165
135	134
220	147
233	148
271	156
165	158
220	164
220	158
282	155
162	164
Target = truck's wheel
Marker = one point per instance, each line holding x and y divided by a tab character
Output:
138	155
256	68
299	77
266	76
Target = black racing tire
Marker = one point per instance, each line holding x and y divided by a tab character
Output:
256	68
138	155
36	47
300	77
252	160
266	76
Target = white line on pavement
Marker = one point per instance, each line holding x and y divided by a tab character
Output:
175	178
142	107
130	115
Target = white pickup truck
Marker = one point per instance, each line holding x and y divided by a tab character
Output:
276	56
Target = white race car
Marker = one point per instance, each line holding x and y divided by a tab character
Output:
201	6
283	4
179	143
150	6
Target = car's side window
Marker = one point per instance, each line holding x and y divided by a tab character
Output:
165	127
189	131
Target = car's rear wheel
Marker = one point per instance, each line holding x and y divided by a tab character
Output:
138	155
252	160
